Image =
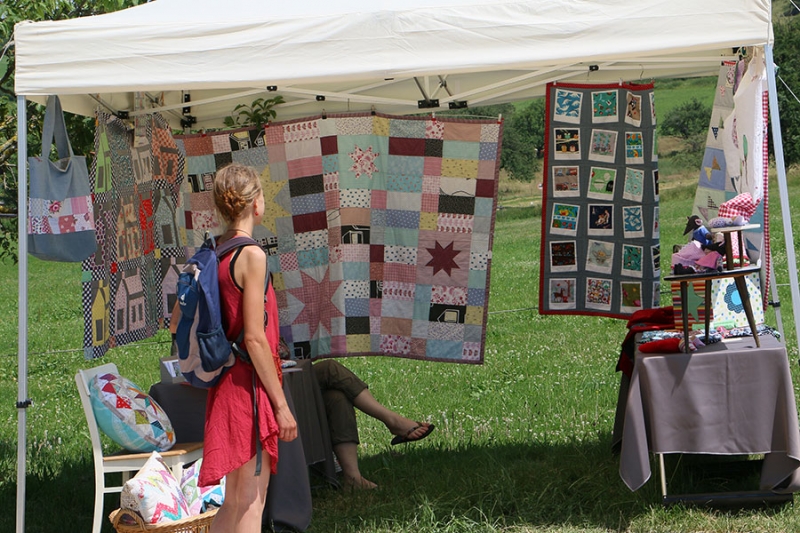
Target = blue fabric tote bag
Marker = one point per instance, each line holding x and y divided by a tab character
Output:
60	212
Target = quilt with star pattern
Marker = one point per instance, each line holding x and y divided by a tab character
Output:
378	229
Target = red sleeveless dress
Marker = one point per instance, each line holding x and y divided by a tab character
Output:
229	433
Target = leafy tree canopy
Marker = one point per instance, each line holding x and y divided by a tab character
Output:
787	43
80	129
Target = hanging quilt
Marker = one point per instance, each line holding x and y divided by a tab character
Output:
735	160
378	228
600	252
127	283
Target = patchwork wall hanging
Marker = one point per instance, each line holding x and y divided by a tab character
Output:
136	181
600	251
735	160
378	229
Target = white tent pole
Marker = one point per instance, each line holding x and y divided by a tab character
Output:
22	340
783	190
773	286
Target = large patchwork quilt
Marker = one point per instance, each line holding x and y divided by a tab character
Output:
378	230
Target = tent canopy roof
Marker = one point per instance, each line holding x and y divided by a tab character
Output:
363	53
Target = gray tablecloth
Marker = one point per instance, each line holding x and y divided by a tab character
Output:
186	408
311	419
727	398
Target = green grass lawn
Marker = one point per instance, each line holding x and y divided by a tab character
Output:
523	442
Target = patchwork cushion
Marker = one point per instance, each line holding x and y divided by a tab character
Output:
128	415
200	499
154	493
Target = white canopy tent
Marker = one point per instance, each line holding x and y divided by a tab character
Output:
352	55
359	53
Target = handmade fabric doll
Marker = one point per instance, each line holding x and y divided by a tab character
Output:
700	233
701	254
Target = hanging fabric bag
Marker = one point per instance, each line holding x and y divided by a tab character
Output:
60	213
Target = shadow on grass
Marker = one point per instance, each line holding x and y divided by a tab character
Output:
492	487
424	487
56	501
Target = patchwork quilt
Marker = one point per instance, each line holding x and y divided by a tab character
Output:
600	251
378	230
136	180
735	160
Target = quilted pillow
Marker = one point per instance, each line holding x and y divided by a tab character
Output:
200	499
128	415
154	493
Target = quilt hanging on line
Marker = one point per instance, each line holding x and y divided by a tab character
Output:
136	179
736	159
600	251
378	229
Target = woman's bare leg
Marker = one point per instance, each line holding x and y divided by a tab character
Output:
245	496
397	424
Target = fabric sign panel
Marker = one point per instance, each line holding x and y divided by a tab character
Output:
600	250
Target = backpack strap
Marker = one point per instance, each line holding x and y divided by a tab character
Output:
235	242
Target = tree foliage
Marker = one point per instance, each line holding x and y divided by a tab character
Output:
258	113
687	119
787	43
80	129
523	141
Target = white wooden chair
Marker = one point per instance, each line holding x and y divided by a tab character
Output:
122	461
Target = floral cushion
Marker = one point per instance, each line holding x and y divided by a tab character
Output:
128	415
200	499
154	493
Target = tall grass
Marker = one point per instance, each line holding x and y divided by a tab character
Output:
523	442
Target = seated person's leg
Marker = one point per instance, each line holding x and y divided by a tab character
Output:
331	374
341	417
344	437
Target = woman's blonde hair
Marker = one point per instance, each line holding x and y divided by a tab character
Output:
235	187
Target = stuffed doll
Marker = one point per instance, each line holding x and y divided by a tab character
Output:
694	225
703	253
701	234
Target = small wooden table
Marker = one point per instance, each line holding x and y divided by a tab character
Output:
727	232
738	275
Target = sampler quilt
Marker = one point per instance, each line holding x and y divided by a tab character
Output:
378	228
600	251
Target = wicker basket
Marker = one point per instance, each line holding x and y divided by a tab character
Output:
193	524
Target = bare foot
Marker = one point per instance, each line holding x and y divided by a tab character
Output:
415	433
409	429
360	483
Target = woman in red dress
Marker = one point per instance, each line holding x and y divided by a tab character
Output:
229	445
